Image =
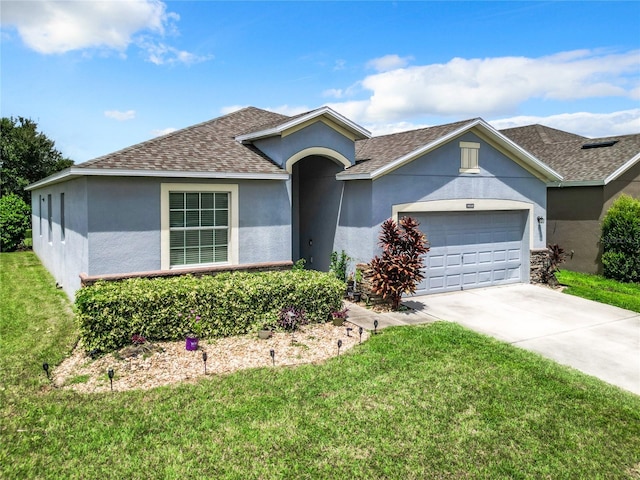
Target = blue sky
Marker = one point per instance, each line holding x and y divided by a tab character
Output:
99	76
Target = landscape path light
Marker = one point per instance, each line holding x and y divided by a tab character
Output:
45	367
360	330
204	360
339	345
272	352
111	373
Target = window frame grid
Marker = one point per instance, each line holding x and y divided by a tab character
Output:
231	191
200	228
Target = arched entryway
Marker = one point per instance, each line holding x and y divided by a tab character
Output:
316	198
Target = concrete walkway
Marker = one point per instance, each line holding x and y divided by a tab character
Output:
597	339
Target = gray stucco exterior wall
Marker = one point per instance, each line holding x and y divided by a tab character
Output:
575	218
64	256
436	176
265	221
356	234
124	225
113	225
318	134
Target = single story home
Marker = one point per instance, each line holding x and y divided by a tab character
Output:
255	188
595	172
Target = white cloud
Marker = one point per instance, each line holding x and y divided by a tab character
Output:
388	62
232	108
57	27
334	92
60	26
377	129
163	131
159	53
120	116
340	64
492	86
583	123
289	110
587	124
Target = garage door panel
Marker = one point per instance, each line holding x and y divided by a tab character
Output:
435	261
514	255
485	257
472	249
513	274
452	280
469	278
485	278
470	258
453	260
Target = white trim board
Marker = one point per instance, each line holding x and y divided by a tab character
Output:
74	172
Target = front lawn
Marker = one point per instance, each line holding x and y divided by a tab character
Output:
436	401
600	289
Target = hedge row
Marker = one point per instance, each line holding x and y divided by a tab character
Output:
110	313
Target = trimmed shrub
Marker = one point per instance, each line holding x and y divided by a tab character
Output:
110	313
15	220
621	240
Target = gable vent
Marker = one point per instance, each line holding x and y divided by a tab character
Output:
599	144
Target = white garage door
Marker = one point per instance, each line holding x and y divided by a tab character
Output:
473	249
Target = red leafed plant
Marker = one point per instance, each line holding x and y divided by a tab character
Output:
399	270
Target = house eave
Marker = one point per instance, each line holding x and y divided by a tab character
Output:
354	128
576	183
75	172
356	176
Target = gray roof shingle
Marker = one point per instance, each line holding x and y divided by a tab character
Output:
206	147
374	153
210	147
563	151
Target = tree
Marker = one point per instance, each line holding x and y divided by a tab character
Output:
399	270
26	156
15	219
621	240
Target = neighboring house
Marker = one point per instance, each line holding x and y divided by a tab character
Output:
596	171
256	187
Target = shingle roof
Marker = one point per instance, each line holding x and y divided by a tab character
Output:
374	153
274	122
534	135
563	151
207	147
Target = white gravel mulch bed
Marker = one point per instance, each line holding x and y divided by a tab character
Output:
169	362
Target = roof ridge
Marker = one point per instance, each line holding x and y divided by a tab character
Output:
545	133
422	129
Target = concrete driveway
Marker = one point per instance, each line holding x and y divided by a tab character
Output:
598	339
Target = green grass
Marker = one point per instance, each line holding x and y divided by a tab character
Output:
435	401
600	289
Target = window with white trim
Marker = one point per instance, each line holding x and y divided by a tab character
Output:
198	228
469	157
